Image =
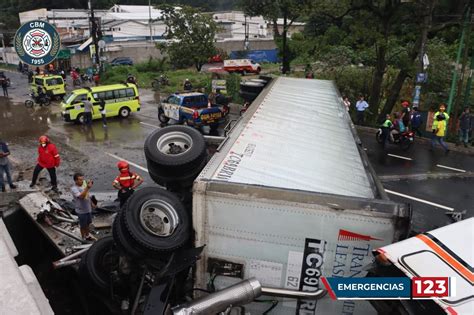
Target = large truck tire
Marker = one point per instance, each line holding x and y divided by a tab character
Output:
99	261
156	220
123	241
248	96
183	181
175	150
252	87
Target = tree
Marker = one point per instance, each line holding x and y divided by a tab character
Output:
288	10
192	36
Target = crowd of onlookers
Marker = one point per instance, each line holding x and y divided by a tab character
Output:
411	119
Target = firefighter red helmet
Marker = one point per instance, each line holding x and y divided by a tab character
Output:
43	139
122	164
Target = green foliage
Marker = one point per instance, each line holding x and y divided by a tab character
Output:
153	65
192	35
233	86
145	76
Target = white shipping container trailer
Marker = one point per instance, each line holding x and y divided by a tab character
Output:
290	197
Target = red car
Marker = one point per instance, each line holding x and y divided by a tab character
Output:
215	59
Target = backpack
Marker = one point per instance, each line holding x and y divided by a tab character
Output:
401	126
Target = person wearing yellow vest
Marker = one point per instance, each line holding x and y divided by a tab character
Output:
440	123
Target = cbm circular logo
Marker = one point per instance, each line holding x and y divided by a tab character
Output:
37	43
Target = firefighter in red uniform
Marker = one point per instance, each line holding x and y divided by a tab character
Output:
48	158
126	182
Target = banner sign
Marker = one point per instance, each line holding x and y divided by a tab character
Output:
388	288
37	43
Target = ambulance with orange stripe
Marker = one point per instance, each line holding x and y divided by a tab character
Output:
444	252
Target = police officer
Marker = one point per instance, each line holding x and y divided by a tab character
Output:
126	182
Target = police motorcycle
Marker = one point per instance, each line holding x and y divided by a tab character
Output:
41	99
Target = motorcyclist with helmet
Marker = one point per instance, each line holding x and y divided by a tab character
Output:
131	79
126	182
398	126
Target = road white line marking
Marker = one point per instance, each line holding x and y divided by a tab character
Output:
419	200
400	157
451	168
150	125
131	163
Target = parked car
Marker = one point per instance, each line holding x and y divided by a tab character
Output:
215	59
122	61
192	109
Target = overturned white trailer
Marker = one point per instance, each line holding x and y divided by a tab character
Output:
290	196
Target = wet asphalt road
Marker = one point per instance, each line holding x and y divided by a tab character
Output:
95	151
456	193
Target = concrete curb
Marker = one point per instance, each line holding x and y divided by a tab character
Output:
451	146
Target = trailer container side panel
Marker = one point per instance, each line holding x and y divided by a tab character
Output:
290	197
264	235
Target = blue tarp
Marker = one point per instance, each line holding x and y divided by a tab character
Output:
269	55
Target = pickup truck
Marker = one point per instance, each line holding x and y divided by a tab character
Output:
193	109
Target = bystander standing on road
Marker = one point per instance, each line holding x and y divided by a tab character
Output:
48	158
466	123
5	166
440	123
88	111
405	114
347	103
126	182
386	126
4	83
103	112
361	107
83	204
96	79
416	121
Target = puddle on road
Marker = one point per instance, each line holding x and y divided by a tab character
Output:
17	121
118	132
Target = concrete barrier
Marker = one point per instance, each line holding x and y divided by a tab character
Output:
20	292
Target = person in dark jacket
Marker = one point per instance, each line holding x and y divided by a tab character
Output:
466	122
48	158
4	84
416	121
5	166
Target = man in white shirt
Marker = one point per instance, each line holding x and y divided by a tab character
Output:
361	106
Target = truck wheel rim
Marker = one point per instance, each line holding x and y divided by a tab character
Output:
174	143
158	218
124	112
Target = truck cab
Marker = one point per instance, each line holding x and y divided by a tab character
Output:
193	109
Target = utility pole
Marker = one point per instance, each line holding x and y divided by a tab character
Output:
464	62
423	65
246	34
467	93
94	36
149	20
458	59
